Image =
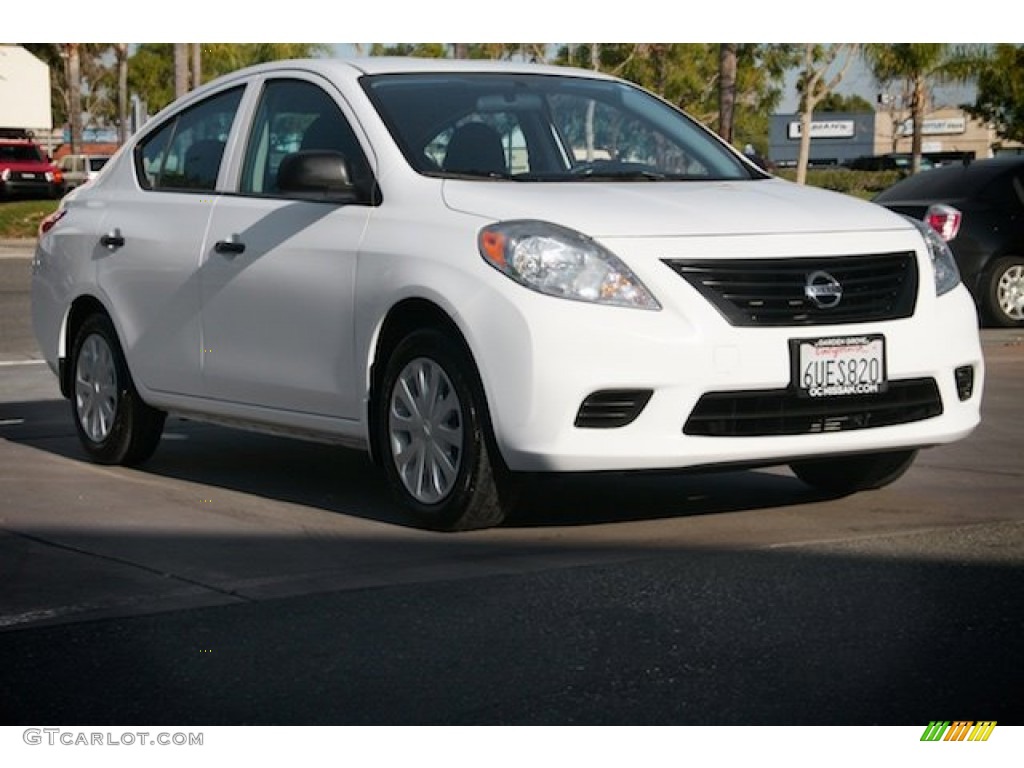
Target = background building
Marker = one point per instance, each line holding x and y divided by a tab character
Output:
838	137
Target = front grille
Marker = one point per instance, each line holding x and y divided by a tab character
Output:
611	408
782	412
772	291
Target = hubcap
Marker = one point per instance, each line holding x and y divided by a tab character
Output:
1010	292
425	429
96	388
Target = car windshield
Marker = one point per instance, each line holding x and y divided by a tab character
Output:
96	163
545	128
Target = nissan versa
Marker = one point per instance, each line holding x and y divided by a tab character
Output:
481	270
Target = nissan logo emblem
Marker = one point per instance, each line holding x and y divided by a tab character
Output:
823	290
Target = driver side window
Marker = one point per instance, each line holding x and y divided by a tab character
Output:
293	116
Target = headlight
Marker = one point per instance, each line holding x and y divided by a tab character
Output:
562	262
947	276
5	174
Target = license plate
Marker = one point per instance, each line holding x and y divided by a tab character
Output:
838	366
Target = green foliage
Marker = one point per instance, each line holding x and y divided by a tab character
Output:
151	74
1000	97
151	67
863	184
421	50
837	102
933	62
20	218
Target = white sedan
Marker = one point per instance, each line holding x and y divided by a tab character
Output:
479	270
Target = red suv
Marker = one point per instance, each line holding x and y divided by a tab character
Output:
25	170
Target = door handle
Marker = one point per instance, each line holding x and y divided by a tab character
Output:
113	239
230	247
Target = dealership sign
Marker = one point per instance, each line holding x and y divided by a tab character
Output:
935	126
825	129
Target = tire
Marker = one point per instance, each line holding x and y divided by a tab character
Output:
1003	298
113	424
848	474
434	435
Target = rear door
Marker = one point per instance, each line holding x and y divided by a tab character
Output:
155	236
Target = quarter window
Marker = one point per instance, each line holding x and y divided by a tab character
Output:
186	152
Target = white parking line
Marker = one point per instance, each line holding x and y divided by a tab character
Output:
15	363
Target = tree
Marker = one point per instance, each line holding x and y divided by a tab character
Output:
838	102
92	87
121	51
918	65
818	61
74	95
421	50
151	74
726	88
180	69
151	70
1000	96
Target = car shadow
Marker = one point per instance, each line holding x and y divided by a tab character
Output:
346	481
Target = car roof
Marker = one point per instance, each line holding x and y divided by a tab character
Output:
380	65
951	182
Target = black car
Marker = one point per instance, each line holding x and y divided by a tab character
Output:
979	208
896	161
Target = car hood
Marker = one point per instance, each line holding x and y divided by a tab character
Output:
670	209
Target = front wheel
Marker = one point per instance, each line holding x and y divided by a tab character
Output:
114	425
849	474
434	435
1004	292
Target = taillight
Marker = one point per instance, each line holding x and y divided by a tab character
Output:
50	221
944	219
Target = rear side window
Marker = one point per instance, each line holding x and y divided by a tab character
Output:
1006	192
185	153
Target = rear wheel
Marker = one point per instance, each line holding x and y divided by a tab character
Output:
113	424
435	437
1004	291
848	474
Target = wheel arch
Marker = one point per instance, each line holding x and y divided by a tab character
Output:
407	315
81	308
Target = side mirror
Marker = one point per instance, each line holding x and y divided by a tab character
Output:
316	174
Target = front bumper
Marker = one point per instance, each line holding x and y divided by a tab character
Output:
34	189
536	385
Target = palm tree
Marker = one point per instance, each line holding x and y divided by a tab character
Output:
121	52
918	65
726	89
74	63
180	69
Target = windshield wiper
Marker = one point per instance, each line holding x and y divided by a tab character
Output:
592	174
